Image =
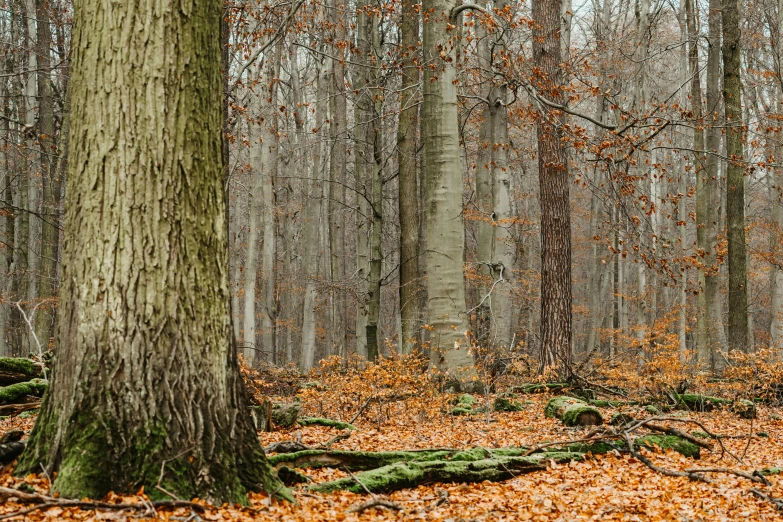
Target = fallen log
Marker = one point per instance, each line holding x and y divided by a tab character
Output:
268	415
14	370
9	451
17	392
329	423
541	388
573	412
9	410
401	475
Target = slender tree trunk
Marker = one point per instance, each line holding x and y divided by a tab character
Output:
6	227
363	136
146	388
445	230
410	315
269	187
699	161
376	255
48	164
312	226
554	193
735	179
337	174
255	203
598	269
716	338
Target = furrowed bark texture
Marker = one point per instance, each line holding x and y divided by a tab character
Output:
146	376
554	193
408	199
445	231
735	179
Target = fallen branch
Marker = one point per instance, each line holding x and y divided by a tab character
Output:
376	502
15	409
663	471
763	496
45	502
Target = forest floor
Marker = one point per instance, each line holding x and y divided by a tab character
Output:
603	487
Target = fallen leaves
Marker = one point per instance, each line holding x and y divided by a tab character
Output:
605	487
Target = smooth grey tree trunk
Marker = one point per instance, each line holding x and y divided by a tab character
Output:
445	231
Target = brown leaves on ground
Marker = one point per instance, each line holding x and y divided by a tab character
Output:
605	487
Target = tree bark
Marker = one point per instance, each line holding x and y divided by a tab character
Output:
337	174
312	226
376	205
146	388
47	277
554	194
735	179
716	337
445	230
408	197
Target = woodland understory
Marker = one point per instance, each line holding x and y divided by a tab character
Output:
696	455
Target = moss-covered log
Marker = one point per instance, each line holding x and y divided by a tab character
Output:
507	404
268	415
402	475
696	402
17	369
666	442
573	412
744	408
329	423
356	460
19	391
599	403
541	388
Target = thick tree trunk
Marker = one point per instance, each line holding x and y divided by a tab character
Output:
554	194
146	389
735	179
408	197
445	230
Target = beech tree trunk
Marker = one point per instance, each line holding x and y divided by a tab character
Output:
445	230
554	184
145	385
735	179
